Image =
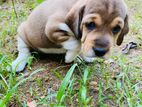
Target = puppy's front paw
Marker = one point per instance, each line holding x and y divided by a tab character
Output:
68	60
70	56
89	60
17	66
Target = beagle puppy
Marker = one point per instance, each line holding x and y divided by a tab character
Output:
75	27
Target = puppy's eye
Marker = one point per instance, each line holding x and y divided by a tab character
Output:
116	29
90	26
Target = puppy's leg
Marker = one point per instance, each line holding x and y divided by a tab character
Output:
23	55
70	56
73	49
72	45
62	34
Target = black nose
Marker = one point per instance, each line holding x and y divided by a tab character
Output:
100	51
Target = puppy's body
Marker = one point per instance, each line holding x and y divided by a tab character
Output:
42	27
89	27
45	31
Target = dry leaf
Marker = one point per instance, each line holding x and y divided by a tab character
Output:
31	104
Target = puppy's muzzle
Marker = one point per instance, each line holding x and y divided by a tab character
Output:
99	51
101	47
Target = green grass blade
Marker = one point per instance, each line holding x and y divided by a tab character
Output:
85	76
4	82
64	83
83	94
39	1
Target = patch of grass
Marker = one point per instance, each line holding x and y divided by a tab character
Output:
82	95
61	93
9	86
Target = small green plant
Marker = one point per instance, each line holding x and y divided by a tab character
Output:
9	86
82	97
61	93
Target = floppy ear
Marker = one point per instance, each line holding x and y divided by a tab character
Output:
74	19
124	31
81	13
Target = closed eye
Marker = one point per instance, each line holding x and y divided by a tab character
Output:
116	29
90	26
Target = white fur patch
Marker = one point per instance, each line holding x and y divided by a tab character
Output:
52	50
73	47
23	55
72	44
64	27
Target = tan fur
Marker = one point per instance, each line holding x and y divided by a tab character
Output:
117	21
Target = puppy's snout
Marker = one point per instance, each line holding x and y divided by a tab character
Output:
101	47
99	51
102	42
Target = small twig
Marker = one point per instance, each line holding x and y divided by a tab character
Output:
14	9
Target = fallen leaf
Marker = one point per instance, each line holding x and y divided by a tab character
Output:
31	104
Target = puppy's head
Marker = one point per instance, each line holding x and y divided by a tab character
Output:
99	24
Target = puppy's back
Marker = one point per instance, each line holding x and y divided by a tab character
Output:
34	27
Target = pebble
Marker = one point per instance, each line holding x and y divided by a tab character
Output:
93	83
